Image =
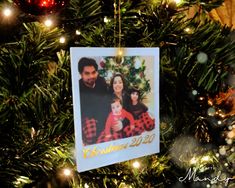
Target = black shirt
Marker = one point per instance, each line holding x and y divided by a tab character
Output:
94	103
137	110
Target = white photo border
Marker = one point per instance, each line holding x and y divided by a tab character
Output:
107	153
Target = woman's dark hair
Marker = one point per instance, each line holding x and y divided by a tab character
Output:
85	61
123	80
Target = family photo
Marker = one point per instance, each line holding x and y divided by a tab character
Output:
116	104
110	108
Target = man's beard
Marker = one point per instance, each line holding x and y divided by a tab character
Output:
90	83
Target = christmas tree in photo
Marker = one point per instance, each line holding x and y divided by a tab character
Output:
196	41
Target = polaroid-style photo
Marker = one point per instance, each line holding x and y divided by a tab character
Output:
116	104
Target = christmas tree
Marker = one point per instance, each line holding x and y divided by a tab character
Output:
196	90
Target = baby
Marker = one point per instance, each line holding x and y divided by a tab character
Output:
115	118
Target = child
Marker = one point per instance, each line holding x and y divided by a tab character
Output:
136	108
139	111
116	117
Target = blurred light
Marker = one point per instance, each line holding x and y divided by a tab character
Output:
229	141
222	151
231	134
205	158
177	1
136	164
226	164
210	102
193	161
7	12
211	111
194	92
106	20
62	40
120	52
67	172
187	30
48	22
86	186
202	57
78	32
219	122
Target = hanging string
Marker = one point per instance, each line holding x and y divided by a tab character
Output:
117	34
119	24
115	22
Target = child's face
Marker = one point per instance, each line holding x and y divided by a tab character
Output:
116	108
134	96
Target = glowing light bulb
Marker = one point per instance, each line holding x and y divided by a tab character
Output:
205	158
48	22
193	160
194	92
78	32
187	30
106	20
86	186
177	1
67	172
7	12
62	40
136	164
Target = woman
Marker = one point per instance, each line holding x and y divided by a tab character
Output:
118	88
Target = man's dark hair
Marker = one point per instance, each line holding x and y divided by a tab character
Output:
83	62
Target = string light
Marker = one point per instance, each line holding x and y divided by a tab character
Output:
136	164
62	40
106	20
7	12
194	92
205	158
78	32
187	30
48	22
86	185
120	52
67	172
178	1
193	161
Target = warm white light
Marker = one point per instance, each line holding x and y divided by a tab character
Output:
120	52
177	1
193	161
205	158
62	40
48	22
78	32
136	164
187	30
7	12
219	122
106	20
67	172
86	186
